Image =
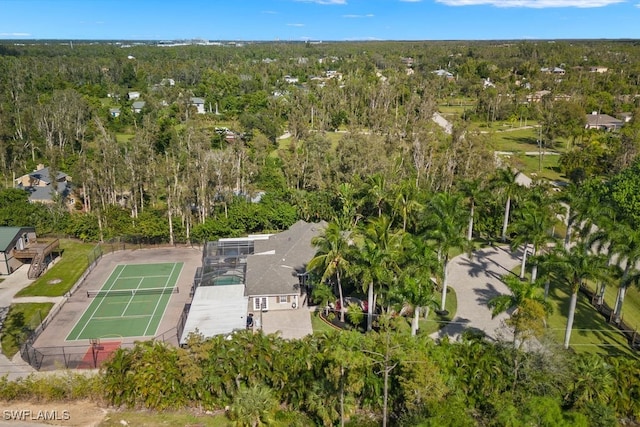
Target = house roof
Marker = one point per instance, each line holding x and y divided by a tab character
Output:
216	310
273	268
195	100
44	194
8	235
44	175
603	120
138	105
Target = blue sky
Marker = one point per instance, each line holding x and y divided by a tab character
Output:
319	19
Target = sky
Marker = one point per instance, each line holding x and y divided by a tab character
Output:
319	20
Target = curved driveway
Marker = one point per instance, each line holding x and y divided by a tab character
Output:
475	282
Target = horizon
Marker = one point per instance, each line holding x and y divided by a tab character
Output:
320	20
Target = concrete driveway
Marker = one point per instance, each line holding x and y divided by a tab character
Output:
476	281
289	324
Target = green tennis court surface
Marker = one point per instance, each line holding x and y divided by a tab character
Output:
131	302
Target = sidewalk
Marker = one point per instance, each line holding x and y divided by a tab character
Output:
10	286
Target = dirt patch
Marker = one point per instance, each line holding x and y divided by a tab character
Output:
54	281
77	413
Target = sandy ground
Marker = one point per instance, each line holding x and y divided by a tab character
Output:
22	413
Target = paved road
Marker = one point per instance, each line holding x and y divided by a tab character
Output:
475	282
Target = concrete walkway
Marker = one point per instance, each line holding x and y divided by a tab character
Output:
476	281
10	286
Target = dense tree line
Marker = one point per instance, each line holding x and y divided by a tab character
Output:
170	166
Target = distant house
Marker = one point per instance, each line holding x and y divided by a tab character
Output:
602	122
555	70
42	187
537	96
199	104
598	69
133	95
291	80
443	73
138	106
167	82
487	83
114	112
13	239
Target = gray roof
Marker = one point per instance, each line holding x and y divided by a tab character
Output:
216	310
604	121
138	105
9	234
196	100
40	193
276	262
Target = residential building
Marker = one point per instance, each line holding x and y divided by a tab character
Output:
603	122
43	188
199	104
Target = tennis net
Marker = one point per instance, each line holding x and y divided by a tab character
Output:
132	292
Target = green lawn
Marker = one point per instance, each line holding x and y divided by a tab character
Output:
519	140
434	322
20	321
591	333
532	167
64	274
320	325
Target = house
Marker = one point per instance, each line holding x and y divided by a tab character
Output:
198	103
137	106
276	272
133	95
253	274
114	112
537	96
555	70
598	69
291	80
487	83
443	73
42	187
18	246
602	122
13	239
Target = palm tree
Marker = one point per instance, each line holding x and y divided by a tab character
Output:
405	202
377	191
444	224
376	258
505	180
331	257
529	308
419	267
471	189
533	226
573	268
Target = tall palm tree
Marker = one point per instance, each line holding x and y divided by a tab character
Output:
573	268
444	223
529	308
406	202
533	226
332	257
505	181
471	189
377	191
418	269
376	259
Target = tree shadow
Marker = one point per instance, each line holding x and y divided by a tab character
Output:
485	294
482	262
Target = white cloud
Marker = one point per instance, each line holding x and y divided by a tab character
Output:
269	12
295	25
536	4
324	2
15	34
368	15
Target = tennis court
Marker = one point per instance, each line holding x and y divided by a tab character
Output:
131	302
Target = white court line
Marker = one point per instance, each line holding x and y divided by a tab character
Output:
99	304
159	299
133	295
134	316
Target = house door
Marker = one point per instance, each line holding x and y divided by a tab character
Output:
261	303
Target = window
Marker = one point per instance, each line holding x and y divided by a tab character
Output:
260	303
283	299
